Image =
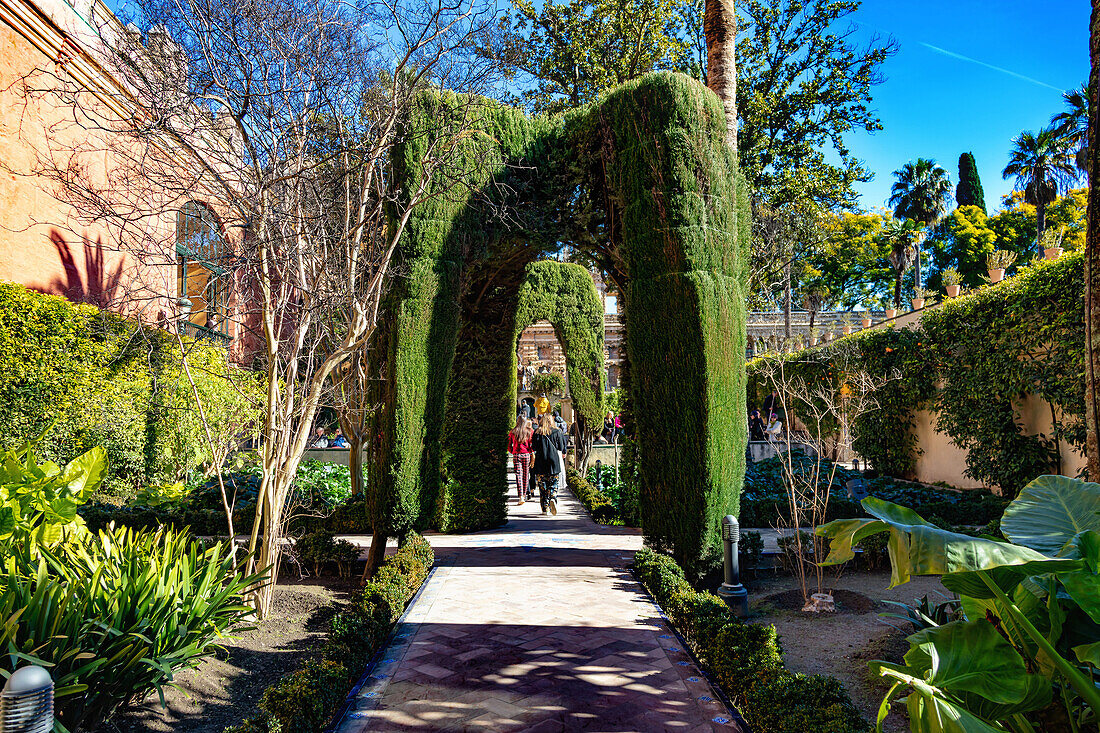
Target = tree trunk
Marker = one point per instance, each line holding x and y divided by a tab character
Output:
1040	225
917	282
376	555
355	463
720	29
897	291
787	300
1092	258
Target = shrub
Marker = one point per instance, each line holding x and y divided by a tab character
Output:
745	660
114	615
598	504
320	547
304	701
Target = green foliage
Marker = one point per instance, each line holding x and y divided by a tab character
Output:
39	501
853	261
1032	620
101	380
321	547
114	615
565	295
921	191
745	659
972	361
968	191
163	495
305	700
578	49
599	505
548	383
998	345
677	222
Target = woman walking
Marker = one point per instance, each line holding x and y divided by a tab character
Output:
519	445
548	444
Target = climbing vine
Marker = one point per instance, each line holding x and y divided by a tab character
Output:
974	361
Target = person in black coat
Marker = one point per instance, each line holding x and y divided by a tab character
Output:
548	444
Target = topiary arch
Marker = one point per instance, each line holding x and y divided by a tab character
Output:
564	294
641	181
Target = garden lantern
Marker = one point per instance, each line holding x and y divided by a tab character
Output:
732	592
26	704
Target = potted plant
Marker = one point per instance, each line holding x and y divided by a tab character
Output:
919	295
846	321
813	336
891	313
952	282
866	318
1052	243
997	262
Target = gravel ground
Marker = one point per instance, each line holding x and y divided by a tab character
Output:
224	689
841	644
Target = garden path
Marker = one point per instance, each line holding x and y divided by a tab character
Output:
536	626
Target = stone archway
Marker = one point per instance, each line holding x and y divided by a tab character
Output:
643	183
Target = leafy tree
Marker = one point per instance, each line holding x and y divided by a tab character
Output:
968	191
1072	125
853	260
1041	166
804	85
962	240
577	49
920	193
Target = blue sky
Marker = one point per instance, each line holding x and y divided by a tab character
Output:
935	105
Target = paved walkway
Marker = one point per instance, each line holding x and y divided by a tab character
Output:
536	626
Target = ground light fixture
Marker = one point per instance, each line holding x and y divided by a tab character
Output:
732	592
26	704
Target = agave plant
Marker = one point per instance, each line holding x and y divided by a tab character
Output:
1031	606
113	616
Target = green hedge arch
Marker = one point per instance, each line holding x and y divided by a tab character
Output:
564	294
643	179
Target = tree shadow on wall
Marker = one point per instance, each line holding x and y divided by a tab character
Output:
98	285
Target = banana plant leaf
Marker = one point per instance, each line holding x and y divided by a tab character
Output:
917	547
930	709
1051	511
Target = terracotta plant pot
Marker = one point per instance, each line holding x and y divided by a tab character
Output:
952	290
866	322
891	313
995	276
847	330
828	335
1052	253
918	303
813	341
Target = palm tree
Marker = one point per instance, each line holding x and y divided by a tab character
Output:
1042	167
900	235
921	193
1072	125
720	31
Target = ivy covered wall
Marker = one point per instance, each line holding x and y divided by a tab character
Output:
972	361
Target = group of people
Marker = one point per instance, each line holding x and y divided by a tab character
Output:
322	440
770	429
612	428
538	457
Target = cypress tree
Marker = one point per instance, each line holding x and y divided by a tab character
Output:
969	190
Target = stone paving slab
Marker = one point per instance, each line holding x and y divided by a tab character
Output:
537	626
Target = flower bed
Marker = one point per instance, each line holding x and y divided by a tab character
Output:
306	700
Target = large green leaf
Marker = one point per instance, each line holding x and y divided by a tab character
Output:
919	548
1050	511
970	656
929	709
85	473
1006	577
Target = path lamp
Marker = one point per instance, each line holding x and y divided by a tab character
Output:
26	704
732	592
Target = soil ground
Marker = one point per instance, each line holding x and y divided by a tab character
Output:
225	688
840	645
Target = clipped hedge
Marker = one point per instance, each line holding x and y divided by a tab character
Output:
305	701
100	379
599	505
971	360
745	659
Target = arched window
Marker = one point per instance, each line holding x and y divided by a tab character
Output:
201	252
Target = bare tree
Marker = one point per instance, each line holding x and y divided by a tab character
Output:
827	409
277	120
